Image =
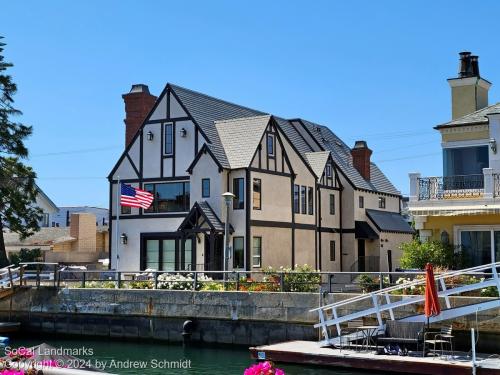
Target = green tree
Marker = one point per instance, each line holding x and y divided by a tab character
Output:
17	180
417	254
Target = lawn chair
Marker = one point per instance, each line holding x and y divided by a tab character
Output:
443	337
352	327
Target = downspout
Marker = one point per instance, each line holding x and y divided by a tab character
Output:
320	219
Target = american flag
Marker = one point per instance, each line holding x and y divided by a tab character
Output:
133	197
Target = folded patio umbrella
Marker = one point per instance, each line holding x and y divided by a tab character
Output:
431	304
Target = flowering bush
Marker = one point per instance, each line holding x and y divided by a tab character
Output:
181	282
263	368
99	284
140	284
301	279
411	290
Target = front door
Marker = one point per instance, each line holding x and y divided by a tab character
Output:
361	255
214	255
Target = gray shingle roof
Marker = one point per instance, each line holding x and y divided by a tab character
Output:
241	137
207	110
478	117
211	216
317	161
204	208
389	221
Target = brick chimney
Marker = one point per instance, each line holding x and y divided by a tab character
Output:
138	103
361	159
469	92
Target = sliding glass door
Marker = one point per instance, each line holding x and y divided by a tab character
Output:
480	245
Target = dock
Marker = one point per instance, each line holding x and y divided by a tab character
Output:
310	353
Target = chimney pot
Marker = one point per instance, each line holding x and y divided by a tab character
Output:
138	103
361	159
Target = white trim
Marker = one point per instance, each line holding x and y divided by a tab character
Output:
468	81
468	143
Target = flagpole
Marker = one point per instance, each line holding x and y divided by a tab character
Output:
117	232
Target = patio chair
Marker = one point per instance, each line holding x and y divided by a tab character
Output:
442	337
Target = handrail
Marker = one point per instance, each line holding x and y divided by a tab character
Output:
415	282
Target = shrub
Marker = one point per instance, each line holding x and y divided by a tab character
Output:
301	279
490	291
181	282
140	284
99	284
417	254
367	284
25	255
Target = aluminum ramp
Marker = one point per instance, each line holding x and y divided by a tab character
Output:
384	302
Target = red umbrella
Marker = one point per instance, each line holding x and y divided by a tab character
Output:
431	307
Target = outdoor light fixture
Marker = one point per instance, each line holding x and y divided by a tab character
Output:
124	239
183	132
493	145
150	135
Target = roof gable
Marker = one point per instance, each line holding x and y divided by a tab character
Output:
241	137
317	161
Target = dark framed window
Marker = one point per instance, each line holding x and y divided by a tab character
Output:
361	201
270	144
310	200
257	252
332	204
169	139
239	192
257	194
296	199
381	202
332	251
163	253
205	188
238	253
126	210
303	200
169	197
328	170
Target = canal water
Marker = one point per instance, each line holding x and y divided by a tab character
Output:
154	358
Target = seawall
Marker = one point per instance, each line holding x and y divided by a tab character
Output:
219	317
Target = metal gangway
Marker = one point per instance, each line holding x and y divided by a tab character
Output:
386	301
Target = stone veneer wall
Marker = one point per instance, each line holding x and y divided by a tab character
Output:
222	317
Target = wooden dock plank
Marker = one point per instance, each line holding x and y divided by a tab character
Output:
309	352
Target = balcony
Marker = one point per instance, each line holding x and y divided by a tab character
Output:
479	187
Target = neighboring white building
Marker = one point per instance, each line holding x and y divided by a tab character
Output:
48	207
62	218
302	195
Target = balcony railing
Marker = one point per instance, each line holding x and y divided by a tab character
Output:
450	187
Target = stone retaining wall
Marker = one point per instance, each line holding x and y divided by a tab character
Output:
223	317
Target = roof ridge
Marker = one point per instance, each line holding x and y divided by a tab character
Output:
242	118
173	85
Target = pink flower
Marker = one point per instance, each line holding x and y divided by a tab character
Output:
263	368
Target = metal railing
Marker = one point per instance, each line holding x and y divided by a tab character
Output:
449	187
382	300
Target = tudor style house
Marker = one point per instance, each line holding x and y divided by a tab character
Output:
302	196
462	206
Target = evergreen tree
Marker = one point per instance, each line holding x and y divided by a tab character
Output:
17	180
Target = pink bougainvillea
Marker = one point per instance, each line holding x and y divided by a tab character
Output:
12	372
263	368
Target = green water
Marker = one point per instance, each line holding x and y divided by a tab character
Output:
206	359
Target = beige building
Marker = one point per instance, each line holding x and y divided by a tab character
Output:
302	196
462	206
81	243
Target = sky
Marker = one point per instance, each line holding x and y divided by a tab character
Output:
369	70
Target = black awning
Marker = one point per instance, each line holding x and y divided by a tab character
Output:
389	221
363	230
